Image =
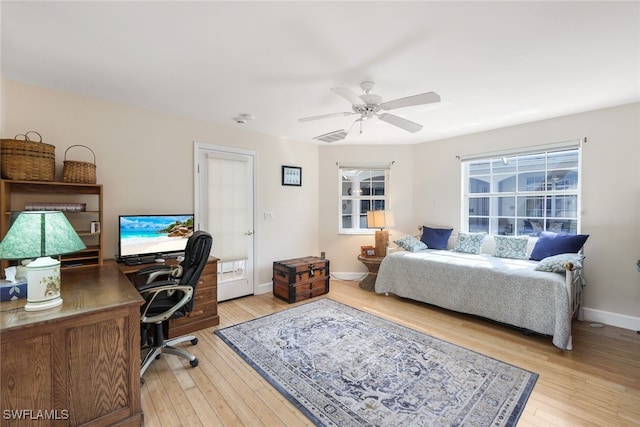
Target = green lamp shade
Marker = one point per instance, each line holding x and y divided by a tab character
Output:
40	233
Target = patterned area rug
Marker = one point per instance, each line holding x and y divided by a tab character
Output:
344	367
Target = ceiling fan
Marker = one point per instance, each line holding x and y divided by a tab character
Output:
369	105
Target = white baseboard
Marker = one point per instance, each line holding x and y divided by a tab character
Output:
344	275
612	319
264	288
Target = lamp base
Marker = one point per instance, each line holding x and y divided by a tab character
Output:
43	284
382	241
35	306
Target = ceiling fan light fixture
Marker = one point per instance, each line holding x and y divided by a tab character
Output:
369	105
371	99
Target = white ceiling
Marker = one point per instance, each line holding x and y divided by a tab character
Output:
493	63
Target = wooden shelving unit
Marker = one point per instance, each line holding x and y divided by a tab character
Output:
15	194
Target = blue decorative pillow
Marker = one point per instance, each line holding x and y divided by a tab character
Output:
435	238
511	247
557	263
410	243
470	243
550	244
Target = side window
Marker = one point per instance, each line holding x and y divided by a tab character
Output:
523	194
360	191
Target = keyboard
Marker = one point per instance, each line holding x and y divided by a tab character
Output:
140	260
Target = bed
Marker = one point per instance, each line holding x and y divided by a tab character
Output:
505	290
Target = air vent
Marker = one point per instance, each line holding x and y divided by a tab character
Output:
332	136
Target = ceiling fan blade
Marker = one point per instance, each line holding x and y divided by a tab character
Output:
326	116
405	124
334	136
348	94
424	98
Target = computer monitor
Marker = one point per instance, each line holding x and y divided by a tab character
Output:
159	235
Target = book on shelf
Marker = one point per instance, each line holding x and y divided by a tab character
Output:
63	207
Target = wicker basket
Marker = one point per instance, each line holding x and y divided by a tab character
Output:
79	172
27	160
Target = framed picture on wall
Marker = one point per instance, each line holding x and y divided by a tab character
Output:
292	175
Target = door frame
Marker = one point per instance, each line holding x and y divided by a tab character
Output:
197	148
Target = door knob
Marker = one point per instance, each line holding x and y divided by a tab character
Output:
250	233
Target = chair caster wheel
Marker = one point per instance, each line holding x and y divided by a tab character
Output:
194	341
193	363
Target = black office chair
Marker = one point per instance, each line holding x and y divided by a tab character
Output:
168	294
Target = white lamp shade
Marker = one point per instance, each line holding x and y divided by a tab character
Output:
379	219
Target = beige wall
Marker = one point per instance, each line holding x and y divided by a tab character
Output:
343	249
610	196
145	163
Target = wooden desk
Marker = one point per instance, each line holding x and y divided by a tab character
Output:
205	300
79	362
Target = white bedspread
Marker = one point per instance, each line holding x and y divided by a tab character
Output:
505	290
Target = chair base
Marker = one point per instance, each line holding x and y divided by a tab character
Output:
168	347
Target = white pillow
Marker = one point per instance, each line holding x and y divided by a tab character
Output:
556	263
511	247
470	243
410	243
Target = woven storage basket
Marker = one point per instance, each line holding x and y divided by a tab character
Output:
27	160
79	172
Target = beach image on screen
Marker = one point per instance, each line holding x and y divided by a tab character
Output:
154	234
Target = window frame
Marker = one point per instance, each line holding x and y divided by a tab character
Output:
356	200
548	199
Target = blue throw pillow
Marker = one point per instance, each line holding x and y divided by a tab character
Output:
435	238
550	244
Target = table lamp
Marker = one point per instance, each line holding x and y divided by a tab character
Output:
40	234
380	219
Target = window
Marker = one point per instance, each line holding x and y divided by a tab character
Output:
361	189
524	193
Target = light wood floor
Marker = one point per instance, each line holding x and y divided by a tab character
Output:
596	384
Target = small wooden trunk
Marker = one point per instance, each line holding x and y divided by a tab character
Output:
300	278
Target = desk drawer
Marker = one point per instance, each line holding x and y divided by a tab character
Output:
204	310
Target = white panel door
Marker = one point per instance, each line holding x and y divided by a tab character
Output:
224	208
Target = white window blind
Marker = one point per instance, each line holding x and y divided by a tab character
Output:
228	205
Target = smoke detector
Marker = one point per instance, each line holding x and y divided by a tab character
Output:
243	118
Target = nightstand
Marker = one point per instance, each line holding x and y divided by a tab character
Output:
372	264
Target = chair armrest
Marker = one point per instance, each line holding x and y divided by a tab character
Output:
167	285
151	292
158	272
152	269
